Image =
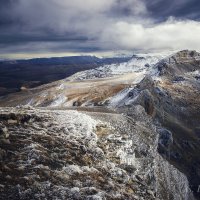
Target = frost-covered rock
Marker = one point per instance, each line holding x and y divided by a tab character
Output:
74	155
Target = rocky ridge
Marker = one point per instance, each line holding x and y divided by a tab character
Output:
84	155
145	146
172	99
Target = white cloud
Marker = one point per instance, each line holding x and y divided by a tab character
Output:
168	35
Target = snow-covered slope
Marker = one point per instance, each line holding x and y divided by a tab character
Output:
91	87
139	63
181	68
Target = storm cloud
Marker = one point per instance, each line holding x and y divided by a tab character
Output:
57	26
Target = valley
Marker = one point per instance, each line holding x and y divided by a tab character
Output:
20	75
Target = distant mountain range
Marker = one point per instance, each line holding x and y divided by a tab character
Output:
67	60
16	75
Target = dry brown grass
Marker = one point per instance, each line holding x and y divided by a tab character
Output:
94	91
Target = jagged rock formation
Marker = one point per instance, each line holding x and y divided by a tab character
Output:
180	63
174	103
145	146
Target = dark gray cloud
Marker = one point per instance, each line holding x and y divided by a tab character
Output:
183	9
28	26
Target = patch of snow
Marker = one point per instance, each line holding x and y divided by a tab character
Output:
30	102
98	196
61	99
75	190
87	169
61	87
123	98
120	97
128	159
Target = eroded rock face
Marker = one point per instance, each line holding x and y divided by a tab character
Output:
179	63
172	99
185	56
74	155
171	178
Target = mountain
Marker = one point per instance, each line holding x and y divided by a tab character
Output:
17	75
79	89
119	131
67	60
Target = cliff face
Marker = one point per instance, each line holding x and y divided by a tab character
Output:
179	63
172	99
134	135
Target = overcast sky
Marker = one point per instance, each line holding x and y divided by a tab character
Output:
36	28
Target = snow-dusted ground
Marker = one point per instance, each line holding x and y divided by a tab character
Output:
92	86
131	72
106	83
122	98
49	154
139	63
71	155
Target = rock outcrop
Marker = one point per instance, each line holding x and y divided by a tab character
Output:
173	100
179	63
76	155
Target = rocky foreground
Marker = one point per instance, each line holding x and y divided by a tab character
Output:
84	155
